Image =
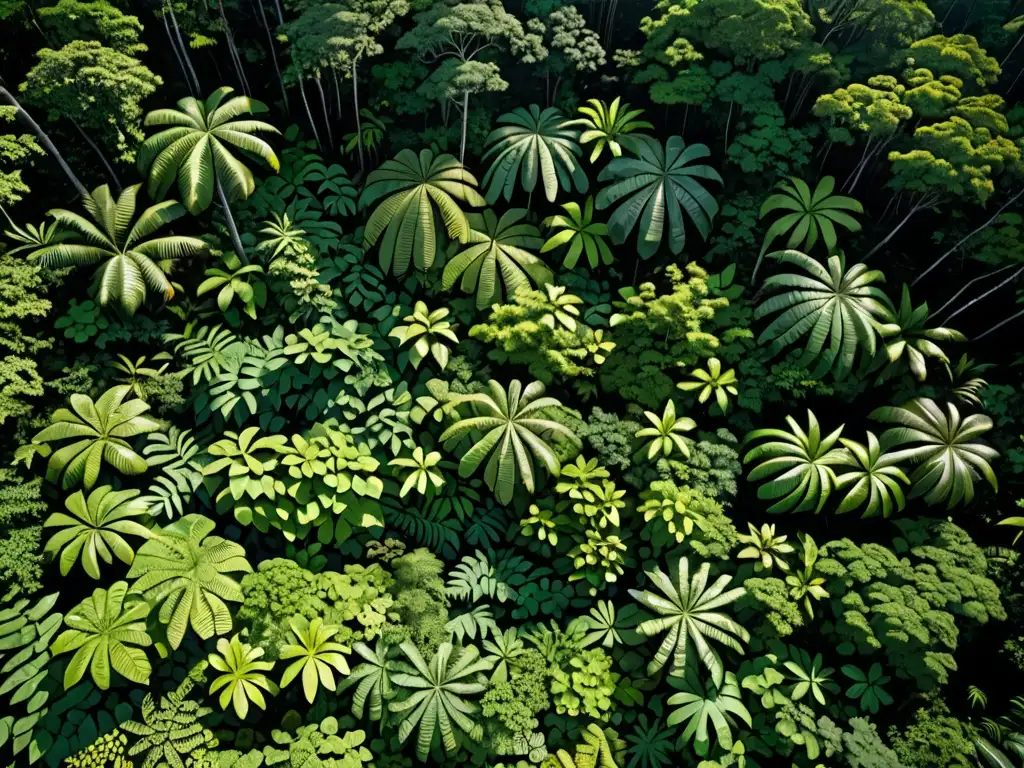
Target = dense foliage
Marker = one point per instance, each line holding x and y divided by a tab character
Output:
553	383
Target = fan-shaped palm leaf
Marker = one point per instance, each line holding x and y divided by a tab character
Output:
130	261
99	431
416	188
951	457
581	233
497	245
94	529
513	431
608	125
316	656
811	213
185	571
686	613
656	188
698	703
436	696
533	145
197	146
873	478
836	304
102	630
799	464
242	675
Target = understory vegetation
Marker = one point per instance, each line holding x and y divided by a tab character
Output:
556	383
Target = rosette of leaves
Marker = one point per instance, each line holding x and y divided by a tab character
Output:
799	464
600	505
867	687
699	703
513	429
562	308
372	679
578	230
766	547
544	522
872	480
598	559
102	631
424	472
666	432
907	339
654	189
808	676
249	461
99	432
607	624
497	260
316	656
608	126
95	529
185	572
415	188
712	381
965	380
946	448
533	145
242	677
686	611
136	374
26	629
435	696
235	281
426	330
804	582
676	511
505	648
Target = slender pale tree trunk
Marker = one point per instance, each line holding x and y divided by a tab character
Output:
337	91
968	236
184	49
236	59
273	53
725	140
986	294
177	55
465	122
966	287
44	140
236	241
99	153
355	105
309	113
997	326
280	15
1006	58
323	107
914	210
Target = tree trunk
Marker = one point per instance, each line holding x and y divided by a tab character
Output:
177	55
969	283
997	326
323	107
309	113
987	293
725	141
99	153
273	53
236	59
1007	57
915	209
44	140
465	122
967	237
184	49
236	241
337	92
280	15
355	103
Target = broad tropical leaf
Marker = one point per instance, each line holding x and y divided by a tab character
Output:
103	629
435	696
372	678
873	479
241	675
130	260
533	145
416	188
655	189
799	464
497	246
835	305
946	447
316	656
185	571
581	234
908	341
99	432
198	146
698	703
666	432
687	613
608	125
512	431
810	214
95	529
